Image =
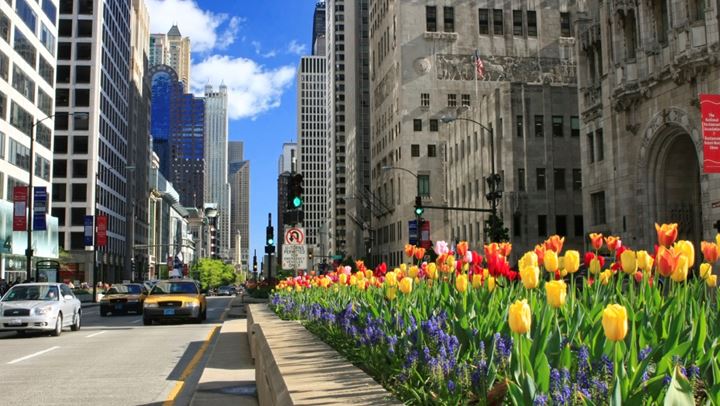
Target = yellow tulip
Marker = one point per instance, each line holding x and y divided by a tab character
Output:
461	283
605	276
391	293
361	284
644	261
298	288
628	261
529	259
551	261
717	239
289	289
406	285
413	271
486	273
391	278
595	266
324	282
519	317
530	276
491	284
476	281
556	292
450	262
353	280
571	262
615	322
688	249
711	281
705	270
342	279
681	269
368	274
432	271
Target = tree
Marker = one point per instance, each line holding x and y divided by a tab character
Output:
213	273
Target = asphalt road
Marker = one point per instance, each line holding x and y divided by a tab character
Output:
112	360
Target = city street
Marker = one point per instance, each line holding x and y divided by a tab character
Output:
112	360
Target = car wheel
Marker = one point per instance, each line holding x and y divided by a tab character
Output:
58	326
147	322
76	324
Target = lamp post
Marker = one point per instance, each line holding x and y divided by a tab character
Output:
496	229
31	169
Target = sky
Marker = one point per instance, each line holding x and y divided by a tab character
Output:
254	47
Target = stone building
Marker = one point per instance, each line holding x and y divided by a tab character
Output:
522	95
642	67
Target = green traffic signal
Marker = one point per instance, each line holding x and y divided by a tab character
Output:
270	241
419	211
297	202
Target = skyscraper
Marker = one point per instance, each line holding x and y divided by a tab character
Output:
239	179
317	44
217	189
287	163
172	49
91	162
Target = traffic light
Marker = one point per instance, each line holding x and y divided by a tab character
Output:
269	240
419	209
295	197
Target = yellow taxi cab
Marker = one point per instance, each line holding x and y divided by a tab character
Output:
123	298
175	299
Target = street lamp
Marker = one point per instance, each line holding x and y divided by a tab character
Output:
496	229
31	169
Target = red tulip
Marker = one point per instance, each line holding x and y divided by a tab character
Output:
667	234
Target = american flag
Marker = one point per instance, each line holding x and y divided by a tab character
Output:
479	67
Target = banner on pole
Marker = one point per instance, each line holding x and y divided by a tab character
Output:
88	231
40	208
19	208
710	113
102	223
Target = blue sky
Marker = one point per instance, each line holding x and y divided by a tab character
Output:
254	47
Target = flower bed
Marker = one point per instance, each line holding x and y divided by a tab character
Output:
641	329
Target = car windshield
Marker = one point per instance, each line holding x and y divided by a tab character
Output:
31	292
174	288
125	289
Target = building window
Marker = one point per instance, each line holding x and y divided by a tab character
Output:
5	27
63	74
19	155
24	48
49	9
565	25
80	122
559	178
77	216
542	225
61	144
79	192
517	23
519	126
539	126
696	10
579	230
417	124
521	179
484	21
65	28
83	51
532	23
84	28
3	111
85	7
557	126
47	38
2	151
434	125
23	84
574	126
630	36
577	179
21	119
448	19
45	102
465	100
79	168
425	99
430	18
452	100
540	178
80	144
597	201
4	66
561	225
64	51
82	74
82	97
415	150
47	72
59	193
431	150
43	135
498	22
591	146
600	148
661	21
423	185
517	219
60	168
42	168
26	14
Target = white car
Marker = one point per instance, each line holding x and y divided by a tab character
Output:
39	307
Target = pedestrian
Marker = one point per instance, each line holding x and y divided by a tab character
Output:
3	287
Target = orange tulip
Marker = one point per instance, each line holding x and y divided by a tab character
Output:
461	249
613	243
419	253
710	251
505	248
540	252
666	261
554	243
596	240
667	234
491	249
409	250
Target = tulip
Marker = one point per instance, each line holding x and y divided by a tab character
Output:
461	249
551	261
476	281
441	248
360	276
419	253
391	278
504	249
519	317
530	276
595	266
361	284
705	270
687	249
605	276
491	284
556	292
368	273
554	243
353	280
596	240
342	279
391	293
403	268
461	283
666	260
717	239
409	250
667	234
491	249
540	252
571	263
680	272
644	261
325	282
615	322
298	288
529	259
413	271
628	261
406	285
711	281
710	251
613	243
432	271
638	276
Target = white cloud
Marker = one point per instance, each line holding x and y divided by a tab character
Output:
258	50
253	88
207	30
296	48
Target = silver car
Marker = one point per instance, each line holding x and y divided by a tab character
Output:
39	307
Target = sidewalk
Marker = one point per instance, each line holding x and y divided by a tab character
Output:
229	375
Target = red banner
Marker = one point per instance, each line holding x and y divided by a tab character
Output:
20	194
102	226
710	112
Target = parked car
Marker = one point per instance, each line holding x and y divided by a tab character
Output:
175	299
40	307
226	291
123	298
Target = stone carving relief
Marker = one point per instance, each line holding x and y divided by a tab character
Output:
422	65
384	88
506	68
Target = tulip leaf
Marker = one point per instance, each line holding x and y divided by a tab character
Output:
542	372
701	332
515	394
680	391
616	399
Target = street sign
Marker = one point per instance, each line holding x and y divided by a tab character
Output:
413	232
294	256
294	235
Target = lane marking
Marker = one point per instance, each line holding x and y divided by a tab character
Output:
32	355
189	368
95	334
136	321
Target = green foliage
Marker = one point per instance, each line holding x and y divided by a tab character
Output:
213	273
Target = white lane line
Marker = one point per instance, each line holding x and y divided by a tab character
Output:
95	334
32	355
136	321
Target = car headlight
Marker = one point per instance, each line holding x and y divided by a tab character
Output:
43	310
146	304
192	304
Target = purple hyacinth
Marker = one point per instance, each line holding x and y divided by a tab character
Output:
644	353
540	400
693	372
667	380
607	365
451	386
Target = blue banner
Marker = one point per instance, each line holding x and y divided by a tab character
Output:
40	208
88	231
412	232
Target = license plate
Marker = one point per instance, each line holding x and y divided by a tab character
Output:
169	312
15	322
